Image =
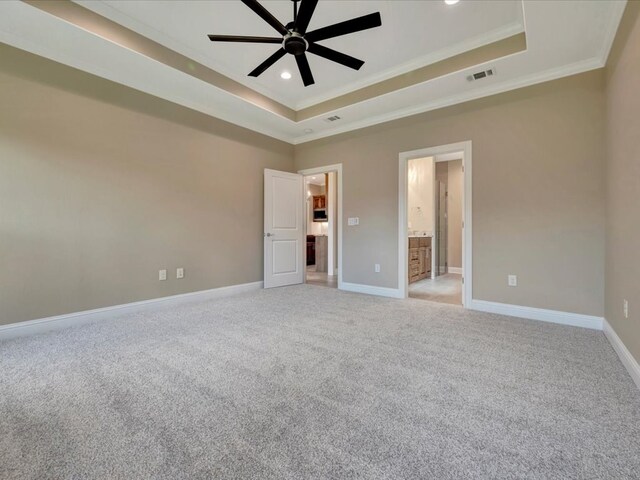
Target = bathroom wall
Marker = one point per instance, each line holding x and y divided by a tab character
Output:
420	194
455	187
450	173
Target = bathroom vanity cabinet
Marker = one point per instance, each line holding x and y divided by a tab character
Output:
419	258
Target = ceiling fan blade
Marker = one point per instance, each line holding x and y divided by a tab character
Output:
343	28
265	15
330	54
304	15
305	70
268	62
242	38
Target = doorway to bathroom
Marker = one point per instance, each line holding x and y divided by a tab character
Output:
434	234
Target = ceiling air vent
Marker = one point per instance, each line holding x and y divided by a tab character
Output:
482	74
333	118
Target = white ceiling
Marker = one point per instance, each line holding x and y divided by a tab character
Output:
563	37
413	34
315	179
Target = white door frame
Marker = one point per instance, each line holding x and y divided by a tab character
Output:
321	170
403	226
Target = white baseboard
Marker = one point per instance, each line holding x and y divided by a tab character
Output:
57	322
457	270
531	313
371	290
626	358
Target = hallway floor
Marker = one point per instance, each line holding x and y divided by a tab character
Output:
321	278
446	288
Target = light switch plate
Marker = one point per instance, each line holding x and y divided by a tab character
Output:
162	274
352	221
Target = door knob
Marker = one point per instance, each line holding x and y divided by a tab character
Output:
269	234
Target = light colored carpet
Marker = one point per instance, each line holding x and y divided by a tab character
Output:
310	382
445	288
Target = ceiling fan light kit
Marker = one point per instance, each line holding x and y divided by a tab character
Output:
296	41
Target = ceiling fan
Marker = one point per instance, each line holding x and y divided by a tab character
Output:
296	41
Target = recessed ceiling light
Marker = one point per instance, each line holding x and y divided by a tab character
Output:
285	75
451	2
308	130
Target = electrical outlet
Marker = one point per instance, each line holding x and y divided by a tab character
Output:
625	308
512	280
376	268
162	275
180	272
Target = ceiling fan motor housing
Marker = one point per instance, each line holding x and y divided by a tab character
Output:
295	44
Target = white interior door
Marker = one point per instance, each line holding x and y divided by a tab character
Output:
283	228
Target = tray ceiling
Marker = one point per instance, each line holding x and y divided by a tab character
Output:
413	34
160	47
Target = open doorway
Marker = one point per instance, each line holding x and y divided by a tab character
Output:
438	238
435	243
322	212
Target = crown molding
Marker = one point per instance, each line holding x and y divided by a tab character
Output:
582	66
612	29
552	74
110	12
290	131
443	54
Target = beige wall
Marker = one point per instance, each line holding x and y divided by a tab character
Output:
538	191
101	186
454	209
623	181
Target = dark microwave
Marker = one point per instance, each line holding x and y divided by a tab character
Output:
320	215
